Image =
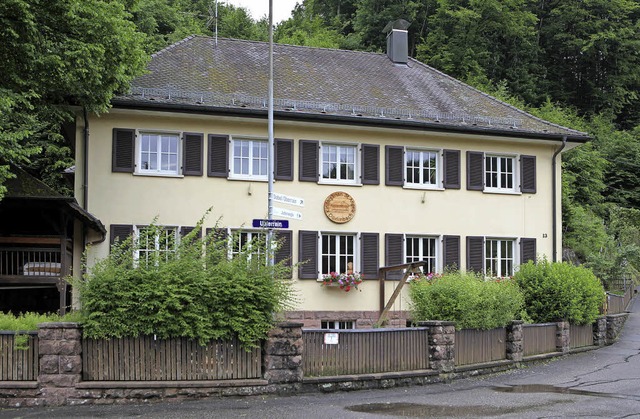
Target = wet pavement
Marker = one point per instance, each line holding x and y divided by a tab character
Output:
603	383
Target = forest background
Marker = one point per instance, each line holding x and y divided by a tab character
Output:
572	62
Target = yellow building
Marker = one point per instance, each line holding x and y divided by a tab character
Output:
379	160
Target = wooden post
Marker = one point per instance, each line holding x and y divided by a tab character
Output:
411	269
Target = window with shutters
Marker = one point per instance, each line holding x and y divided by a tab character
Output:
499	257
422	168
422	249
249	159
153	244
500	173
158	153
339	163
338	253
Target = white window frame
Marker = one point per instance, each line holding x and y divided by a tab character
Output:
158	171
234	246
337	324
252	157
421	185
339	252
138	229
501	259
436	258
501	171
324	145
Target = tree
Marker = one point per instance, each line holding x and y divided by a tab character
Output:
57	54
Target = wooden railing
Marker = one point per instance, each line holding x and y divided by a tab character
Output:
580	336
18	364
539	338
478	346
147	359
342	352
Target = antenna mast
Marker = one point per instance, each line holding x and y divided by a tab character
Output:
213	18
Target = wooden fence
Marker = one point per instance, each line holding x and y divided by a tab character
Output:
147	359
617	304
333	352
478	346
539	338
580	336
17	364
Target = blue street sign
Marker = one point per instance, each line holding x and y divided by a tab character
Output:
270	223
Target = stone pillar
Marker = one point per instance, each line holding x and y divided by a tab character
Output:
600	331
442	340
562	337
60	352
515	348
283	354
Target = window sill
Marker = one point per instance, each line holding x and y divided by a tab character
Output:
338	183
501	192
169	175
248	179
422	188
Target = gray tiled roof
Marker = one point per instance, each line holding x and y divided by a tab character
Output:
329	82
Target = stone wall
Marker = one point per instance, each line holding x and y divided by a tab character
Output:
614	326
361	319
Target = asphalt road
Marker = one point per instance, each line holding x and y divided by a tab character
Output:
603	383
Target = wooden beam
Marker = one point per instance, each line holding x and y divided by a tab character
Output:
411	269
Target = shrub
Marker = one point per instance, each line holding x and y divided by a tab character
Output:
467	299
195	292
25	322
560	292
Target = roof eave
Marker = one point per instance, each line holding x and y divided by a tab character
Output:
343	119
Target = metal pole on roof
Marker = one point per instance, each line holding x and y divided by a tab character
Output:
271	141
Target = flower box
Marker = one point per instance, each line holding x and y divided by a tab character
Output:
346	281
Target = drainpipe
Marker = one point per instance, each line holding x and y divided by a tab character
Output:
554	204
85	161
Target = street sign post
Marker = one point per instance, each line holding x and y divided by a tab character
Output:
257	223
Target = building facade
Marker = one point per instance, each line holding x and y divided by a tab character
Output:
379	160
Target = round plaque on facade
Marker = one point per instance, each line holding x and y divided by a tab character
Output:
339	207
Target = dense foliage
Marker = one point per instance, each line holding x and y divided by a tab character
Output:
196	292
560	292
466	299
55	54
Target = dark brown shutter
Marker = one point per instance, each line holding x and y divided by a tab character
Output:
184	230
394	254
218	156
123	159
308	170
369	249
370	164
308	254
475	253
475	171
451	170
283	159
193	146
527	250
394	158
120	232
528	174
451	252
284	252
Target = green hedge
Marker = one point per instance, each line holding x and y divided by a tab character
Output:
196	292
467	299
560	292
